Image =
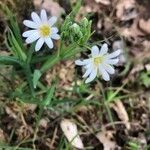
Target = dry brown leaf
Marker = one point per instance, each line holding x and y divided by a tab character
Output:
43	122
126	10
52	7
145	25
105	137
65	71
2	136
37	3
24	132
147	66
146	45
70	130
99	24
108	24
136	69
29	107
10	112
133	33
104	2
121	112
90	6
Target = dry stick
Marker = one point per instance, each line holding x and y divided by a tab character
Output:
54	137
37	126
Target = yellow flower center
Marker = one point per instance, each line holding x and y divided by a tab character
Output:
45	30
98	60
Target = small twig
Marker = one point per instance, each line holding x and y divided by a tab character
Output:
37	125
113	123
54	137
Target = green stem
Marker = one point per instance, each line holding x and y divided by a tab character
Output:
106	105
54	59
29	79
62	54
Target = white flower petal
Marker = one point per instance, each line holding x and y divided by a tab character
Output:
39	44
104	73
90	65
52	20
109	68
30	24
92	76
35	18
55	36
54	30
49	42
88	71
104	49
29	33
112	61
32	38
44	15
114	54
82	62
95	51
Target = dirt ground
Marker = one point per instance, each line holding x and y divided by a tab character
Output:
124	123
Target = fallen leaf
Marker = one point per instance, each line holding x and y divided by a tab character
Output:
44	123
65	71
108	24
52	7
10	112
2	136
99	24
147	66
133	33
144	25
37	3
23	132
70	130
105	137
137	69
146	45
29	107
104	2
126	10
121	112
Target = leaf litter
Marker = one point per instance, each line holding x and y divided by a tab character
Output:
128	21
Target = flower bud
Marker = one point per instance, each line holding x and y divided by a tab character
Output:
75	28
85	22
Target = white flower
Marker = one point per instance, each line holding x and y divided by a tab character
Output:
100	63
42	30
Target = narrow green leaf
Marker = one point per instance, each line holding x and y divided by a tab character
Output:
9	60
10	45
16	47
75	9
50	62
28	73
36	76
49	96
12	22
71	17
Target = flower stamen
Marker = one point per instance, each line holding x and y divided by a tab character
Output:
45	30
98	60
